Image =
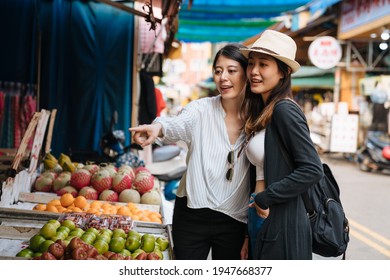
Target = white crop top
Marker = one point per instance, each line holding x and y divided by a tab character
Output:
255	153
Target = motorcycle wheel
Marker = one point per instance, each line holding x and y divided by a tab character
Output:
364	167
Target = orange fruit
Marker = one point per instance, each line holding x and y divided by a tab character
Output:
60	208
51	208
123	211
96	204
66	199
136	217
40	207
54	202
80	202
157	214
155	219
131	205
145	219
77	209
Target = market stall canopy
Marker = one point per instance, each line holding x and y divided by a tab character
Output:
313	77
229	20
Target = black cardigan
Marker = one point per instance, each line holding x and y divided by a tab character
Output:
286	233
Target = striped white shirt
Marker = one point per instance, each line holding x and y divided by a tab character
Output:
201	126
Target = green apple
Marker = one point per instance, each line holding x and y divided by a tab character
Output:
48	230
37	254
59	235
55	222
148	236
63	229
76	232
105	236
101	246
125	253
45	245
93	230
159	253
25	253
134	233
132	243
109	231
69	224
163	242
70	237
117	244
36	241
136	253
118	232
88	237
148	244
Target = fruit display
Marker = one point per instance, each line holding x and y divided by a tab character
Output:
103	182
87	237
67	203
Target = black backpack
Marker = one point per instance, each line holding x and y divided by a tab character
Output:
330	227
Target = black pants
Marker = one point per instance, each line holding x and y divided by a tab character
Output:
196	231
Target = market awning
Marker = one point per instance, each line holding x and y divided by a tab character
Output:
313	77
229	20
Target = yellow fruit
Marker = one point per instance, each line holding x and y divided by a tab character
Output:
49	164
63	158
68	166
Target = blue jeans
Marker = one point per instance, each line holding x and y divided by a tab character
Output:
254	224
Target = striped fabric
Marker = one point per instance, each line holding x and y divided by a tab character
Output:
201	126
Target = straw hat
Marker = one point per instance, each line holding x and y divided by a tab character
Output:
277	45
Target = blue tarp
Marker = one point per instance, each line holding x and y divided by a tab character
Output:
229	20
86	64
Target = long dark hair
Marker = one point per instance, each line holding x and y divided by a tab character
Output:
232	51
257	113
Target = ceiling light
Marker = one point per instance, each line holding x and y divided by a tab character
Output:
373	35
383	46
385	34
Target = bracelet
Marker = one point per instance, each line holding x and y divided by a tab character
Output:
246	236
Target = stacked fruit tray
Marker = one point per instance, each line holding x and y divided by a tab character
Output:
105	237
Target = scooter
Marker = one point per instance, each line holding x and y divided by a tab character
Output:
168	167
375	153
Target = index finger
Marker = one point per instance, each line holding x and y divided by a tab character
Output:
137	128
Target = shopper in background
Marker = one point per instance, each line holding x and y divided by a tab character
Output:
210	211
275	120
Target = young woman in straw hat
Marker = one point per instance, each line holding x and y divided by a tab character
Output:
211	204
274	120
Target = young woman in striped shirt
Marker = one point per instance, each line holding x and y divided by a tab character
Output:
211	206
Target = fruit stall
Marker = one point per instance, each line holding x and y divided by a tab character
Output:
80	236
102	210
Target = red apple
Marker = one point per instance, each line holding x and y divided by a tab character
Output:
57	250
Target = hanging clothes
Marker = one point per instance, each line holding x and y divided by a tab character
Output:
160	102
147	99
